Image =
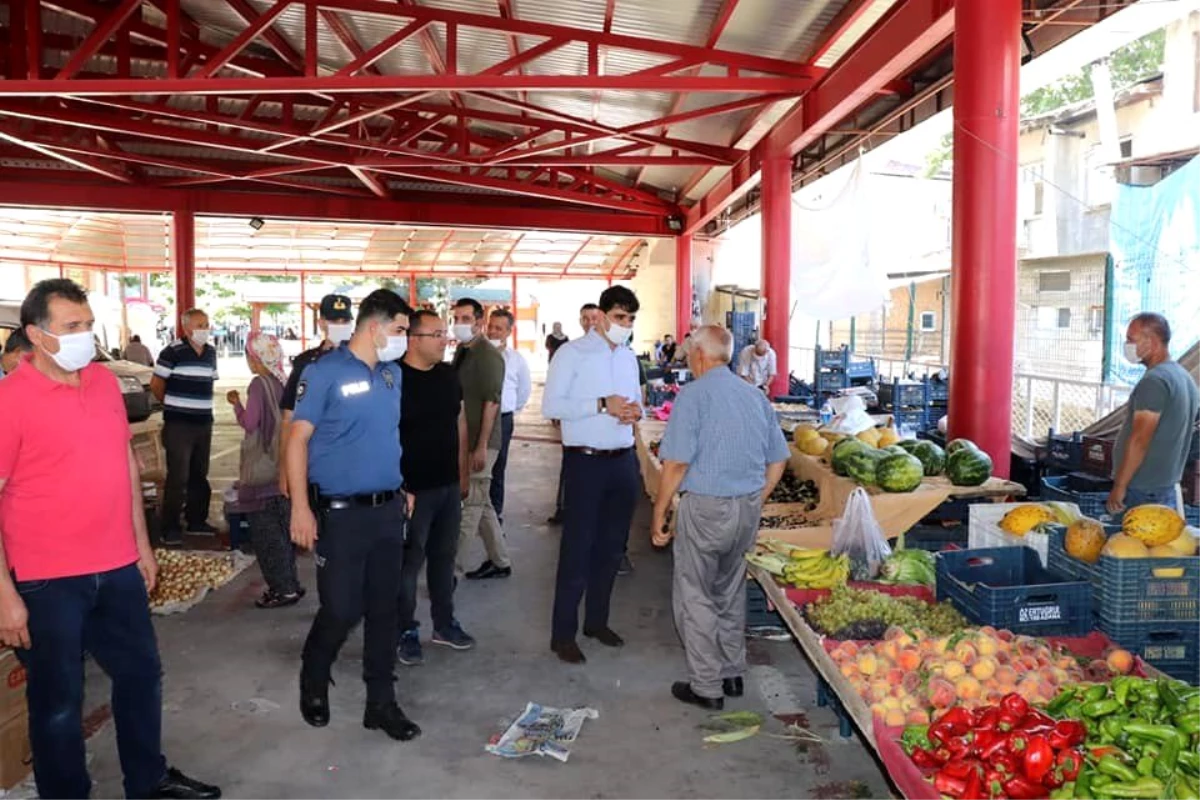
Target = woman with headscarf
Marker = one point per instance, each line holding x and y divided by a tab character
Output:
258	483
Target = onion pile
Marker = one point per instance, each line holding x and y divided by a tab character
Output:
183	575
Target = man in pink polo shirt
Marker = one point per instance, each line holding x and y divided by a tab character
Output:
76	563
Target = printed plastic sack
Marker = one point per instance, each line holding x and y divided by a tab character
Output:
850	416
857	534
542	731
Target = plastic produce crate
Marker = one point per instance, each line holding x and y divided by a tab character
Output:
1167	646
861	370
1091	504
759	614
1007	587
1192	515
831	359
896	395
917	420
1064	452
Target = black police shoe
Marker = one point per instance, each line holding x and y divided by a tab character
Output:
314	702
488	570
178	785
682	691
389	718
733	687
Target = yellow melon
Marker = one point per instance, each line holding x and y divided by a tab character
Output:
1024	518
870	436
804	431
1084	540
813	446
1123	545
1182	545
1152	524
888	437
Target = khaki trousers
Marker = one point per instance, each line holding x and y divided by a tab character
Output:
478	515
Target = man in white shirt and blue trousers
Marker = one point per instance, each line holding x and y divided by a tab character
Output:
592	388
518	386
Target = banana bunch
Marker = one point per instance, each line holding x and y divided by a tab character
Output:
816	569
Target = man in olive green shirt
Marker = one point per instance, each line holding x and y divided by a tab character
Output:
481	372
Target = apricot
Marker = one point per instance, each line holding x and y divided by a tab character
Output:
968	688
984	669
878	710
849	669
894	718
1120	661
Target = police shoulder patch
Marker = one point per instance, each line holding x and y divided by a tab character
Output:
301	388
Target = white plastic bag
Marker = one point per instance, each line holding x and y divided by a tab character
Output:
857	534
850	416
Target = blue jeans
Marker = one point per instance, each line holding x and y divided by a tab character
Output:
496	491
108	615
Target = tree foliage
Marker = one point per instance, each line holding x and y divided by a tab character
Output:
1134	62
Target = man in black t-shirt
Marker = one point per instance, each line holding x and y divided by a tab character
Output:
433	435
336	324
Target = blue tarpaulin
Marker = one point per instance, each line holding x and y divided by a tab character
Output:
1155	235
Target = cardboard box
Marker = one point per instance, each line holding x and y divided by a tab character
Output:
16	759
12	686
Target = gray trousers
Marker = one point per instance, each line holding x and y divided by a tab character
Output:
712	537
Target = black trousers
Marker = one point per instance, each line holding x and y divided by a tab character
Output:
601	493
360	552
187	446
496	492
433	538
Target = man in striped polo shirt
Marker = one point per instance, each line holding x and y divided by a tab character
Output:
183	382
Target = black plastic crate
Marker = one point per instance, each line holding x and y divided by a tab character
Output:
1007	587
1091	504
903	395
1086	482
935	538
1167	646
1064	451
1028	473
759	614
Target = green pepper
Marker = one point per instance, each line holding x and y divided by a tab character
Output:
1113	768
1145	766
1168	758
1060	701
1168	695
1100	708
1110	727
1083	783
1190	761
1188	724
1064	792
1149	691
1192	703
1139	788
1102	780
1147	711
1159	733
1073	710
1121	686
1097	692
1184	790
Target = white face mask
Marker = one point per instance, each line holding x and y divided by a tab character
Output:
339	332
463	333
395	348
200	336
1131	353
618	334
497	343
75	350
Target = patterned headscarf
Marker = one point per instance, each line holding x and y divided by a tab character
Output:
264	349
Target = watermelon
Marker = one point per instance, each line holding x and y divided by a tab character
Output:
958	444
842	450
968	467
895	449
860	467
899	472
909	445
932	457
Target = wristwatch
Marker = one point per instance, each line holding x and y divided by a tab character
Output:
603	405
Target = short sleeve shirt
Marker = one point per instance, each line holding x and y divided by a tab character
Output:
726	432
189	377
66	505
481	373
355	413
1170	391
429	426
288	401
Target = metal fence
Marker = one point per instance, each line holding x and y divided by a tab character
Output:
1039	402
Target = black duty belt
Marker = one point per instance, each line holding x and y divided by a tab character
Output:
591	451
339	502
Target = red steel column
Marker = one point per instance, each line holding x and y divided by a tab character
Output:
987	62
183	249
777	261
683	286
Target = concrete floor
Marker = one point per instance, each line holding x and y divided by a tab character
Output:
230	690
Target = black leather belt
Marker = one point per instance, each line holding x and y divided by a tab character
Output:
339	502
591	451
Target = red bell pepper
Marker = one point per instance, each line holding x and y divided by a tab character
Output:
1053	779
1017	742
959	768
998	743
982	739
942	754
1038	759
1036	719
1008	721
974	787
1069	762
993	784
949	785
959	746
923	758
1014	704
1005	764
987	719
958	718
1066	734
1019	788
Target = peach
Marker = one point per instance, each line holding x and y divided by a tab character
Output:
1004	635
984	669
895	676
911	682
986	646
849	669
968	688
942	644
890	702
966	653
917	716
849	649
878	690
867	663
941	693
988	630
1002	657
992	696
888	651
894	718
954	670
1120	661
909	659
1006	675
1065	662
1027	687
904	639
878	710
893	632
908	703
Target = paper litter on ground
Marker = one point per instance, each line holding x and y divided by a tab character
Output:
542	731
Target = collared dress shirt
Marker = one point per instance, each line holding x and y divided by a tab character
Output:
583	371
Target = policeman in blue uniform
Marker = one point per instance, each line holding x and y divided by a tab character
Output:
344	445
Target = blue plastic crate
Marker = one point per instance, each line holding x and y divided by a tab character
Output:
917	420
1091	504
1192	515
830	381
831	359
862	370
1167	646
1007	587
896	395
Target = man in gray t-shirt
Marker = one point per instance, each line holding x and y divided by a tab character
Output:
1160	420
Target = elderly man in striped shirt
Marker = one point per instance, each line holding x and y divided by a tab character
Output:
724	452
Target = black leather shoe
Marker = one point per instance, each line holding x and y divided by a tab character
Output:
604	636
568	651
557	519
389	718
176	784
488	570
733	687
682	691
314	702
